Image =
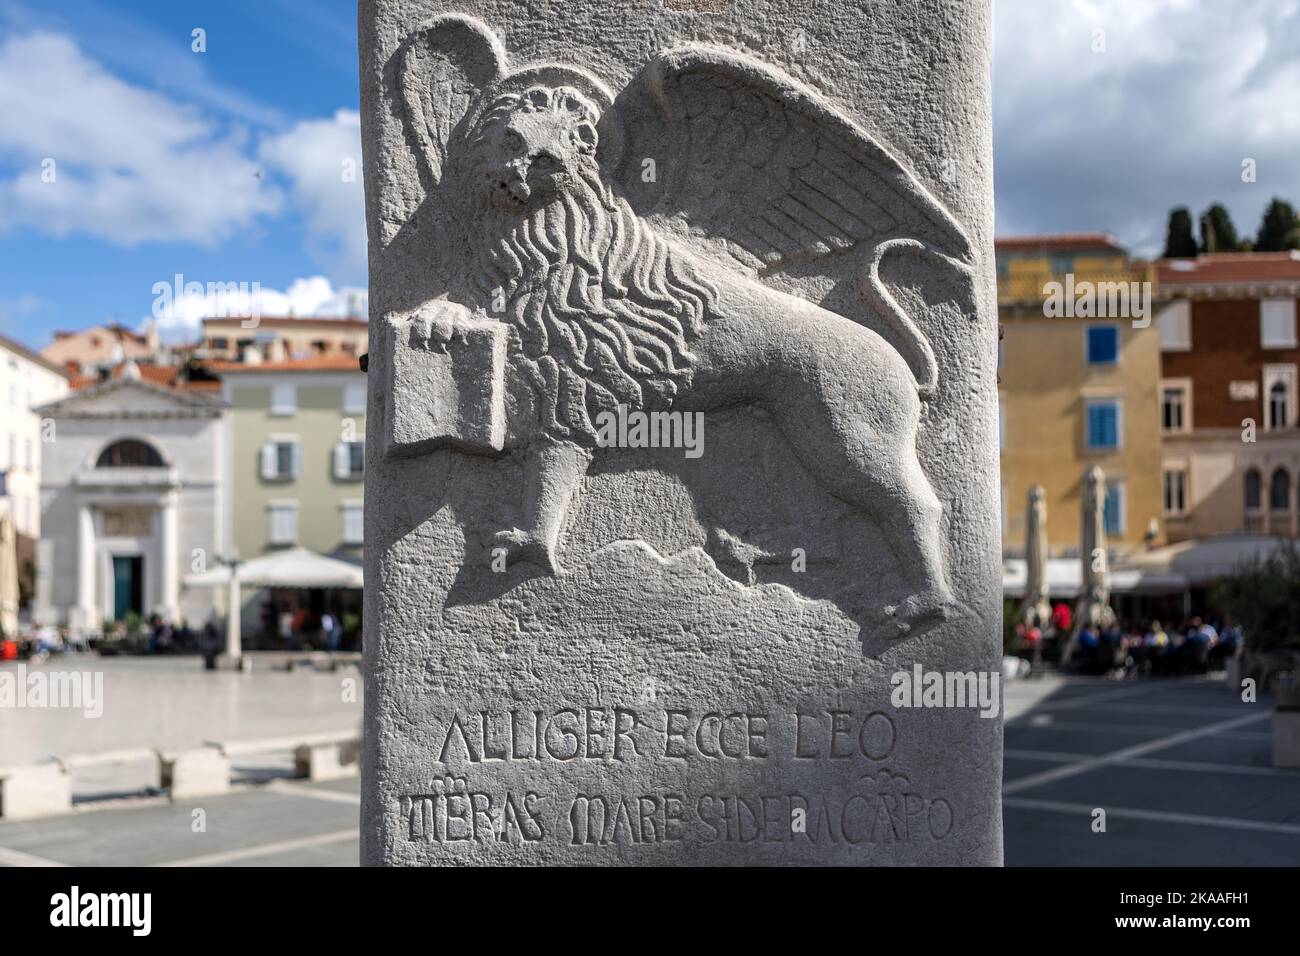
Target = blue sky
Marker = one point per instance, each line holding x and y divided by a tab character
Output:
228	165
271	84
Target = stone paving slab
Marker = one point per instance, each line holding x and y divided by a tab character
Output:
1262	799
160	831
1037	837
1221	750
1081	740
173	703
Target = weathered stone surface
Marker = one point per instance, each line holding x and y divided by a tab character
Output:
761	229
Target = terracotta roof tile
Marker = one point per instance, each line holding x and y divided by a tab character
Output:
1230	268
168	376
1058	241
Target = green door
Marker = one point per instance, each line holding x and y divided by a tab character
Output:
128	586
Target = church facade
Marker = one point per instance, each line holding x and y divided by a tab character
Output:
131	503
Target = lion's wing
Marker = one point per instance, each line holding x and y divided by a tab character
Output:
443	67
748	155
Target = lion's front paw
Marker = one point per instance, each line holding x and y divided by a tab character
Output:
435	326
521	546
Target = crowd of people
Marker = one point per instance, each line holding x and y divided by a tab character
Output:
283	629
152	635
1131	649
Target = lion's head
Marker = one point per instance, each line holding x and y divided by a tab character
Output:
605	309
528	149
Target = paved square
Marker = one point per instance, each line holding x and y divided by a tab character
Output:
1182	769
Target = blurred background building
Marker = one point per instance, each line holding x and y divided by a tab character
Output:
131	499
1076	391
278	339
294	476
1229	412
102	345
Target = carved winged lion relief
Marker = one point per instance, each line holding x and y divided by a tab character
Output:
575	293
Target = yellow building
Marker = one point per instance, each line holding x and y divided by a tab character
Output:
1080	376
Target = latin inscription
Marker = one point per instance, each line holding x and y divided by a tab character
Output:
879	807
622	734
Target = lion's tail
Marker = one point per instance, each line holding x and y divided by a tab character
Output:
910	339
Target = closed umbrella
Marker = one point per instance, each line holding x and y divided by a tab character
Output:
8	576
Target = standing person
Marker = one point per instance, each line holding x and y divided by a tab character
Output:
1060	627
1061	618
210	644
1089	645
331	630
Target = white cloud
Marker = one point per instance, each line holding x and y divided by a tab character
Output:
130	165
322	161
17	308
1184	91
179	312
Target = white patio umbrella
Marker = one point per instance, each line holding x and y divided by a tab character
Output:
292	568
1094	603
1034	610
8	576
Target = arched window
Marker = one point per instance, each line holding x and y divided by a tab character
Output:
130	453
1279	416
1252	490
1279	491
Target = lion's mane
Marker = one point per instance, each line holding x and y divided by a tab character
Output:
606	311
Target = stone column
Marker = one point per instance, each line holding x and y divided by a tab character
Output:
85	614
169	558
682	462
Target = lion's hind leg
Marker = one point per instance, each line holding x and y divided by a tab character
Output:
911	516
879	475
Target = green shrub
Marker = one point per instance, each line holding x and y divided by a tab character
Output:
1264	598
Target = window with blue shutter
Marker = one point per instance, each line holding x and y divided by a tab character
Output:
1113	510
1103	344
1103	425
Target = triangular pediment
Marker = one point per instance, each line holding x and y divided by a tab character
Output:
132	398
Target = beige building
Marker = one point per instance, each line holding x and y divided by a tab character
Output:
1076	390
280	339
296	434
102	346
